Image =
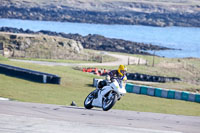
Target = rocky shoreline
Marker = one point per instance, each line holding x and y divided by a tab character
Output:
98	42
39	46
106	12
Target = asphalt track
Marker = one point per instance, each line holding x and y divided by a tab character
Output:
21	117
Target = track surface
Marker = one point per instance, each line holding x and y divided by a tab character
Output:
20	117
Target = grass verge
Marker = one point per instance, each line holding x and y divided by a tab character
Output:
93	57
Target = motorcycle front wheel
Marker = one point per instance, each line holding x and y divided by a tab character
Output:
109	101
88	101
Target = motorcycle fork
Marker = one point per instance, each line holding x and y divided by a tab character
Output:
95	94
108	95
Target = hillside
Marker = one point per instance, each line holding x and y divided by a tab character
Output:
135	12
39	46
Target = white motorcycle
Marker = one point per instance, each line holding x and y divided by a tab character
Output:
106	94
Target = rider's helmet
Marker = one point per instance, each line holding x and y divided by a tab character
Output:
122	70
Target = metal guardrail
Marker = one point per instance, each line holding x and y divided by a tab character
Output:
163	93
28	74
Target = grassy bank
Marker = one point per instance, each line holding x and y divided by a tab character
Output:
187	69
75	86
72	85
93	56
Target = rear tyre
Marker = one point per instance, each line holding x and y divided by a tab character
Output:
88	101
109	101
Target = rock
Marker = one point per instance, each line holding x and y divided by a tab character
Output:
73	103
13	36
119	12
35	46
96	42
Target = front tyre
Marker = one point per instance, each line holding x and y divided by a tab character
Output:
88	101
109	101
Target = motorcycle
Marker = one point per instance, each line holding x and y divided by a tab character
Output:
106	94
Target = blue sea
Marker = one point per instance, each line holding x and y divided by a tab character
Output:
185	38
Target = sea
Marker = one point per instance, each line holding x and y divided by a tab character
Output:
185	39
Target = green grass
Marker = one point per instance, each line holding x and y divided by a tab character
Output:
91	53
187	69
76	85
2	58
158	105
56	60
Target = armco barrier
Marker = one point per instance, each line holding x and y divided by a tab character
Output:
197	98
129	88
95	82
159	92
164	93
151	91
191	97
171	94
178	95
27	74
136	89
184	96
143	90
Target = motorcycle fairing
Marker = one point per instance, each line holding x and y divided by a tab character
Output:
98	101
118	87
114	86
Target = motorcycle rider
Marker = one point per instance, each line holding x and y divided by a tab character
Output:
119	74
